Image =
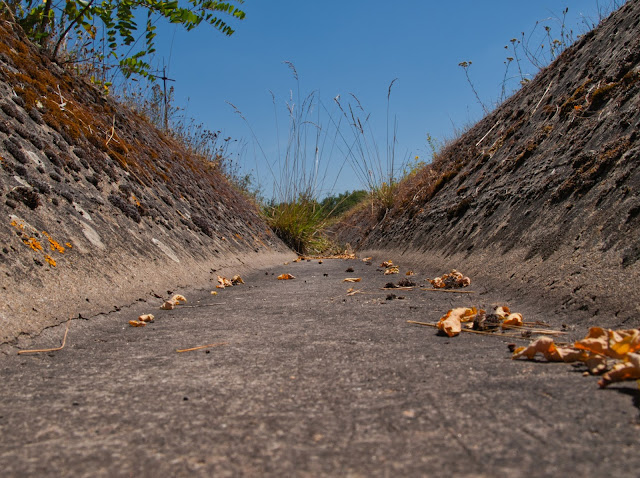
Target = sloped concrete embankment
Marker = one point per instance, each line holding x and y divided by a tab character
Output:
542	197
99	209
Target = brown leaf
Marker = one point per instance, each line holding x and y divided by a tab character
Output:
237	280
224	282
627	370
285	276
392	270
352	279
612	343
136	323
386	263
146	318
513	320
171	303
548	349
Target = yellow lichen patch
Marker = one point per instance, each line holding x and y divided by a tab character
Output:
55	245
33	243
50	260
17	226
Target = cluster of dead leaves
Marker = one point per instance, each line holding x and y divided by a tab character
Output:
453	280
170	304
223	282
478	319
595	350
390	268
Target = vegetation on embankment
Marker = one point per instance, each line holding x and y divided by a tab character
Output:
101	208
541	196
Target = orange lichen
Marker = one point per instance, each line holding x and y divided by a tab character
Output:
55	246
50	260
33	243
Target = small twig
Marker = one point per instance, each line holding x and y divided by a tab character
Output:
396	288
451	290
201	305
471	331
64	341
201	347
534	331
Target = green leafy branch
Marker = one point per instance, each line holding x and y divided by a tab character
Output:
52	24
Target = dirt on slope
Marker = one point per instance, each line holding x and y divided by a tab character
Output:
100	209
542	197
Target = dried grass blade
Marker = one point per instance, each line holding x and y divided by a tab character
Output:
200	347
64	341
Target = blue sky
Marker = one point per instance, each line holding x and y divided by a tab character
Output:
359	47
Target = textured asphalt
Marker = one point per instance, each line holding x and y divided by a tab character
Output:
307	381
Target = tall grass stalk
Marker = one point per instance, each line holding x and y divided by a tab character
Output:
380	173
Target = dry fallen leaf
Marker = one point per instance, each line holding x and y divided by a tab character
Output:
285	276
548	349
451	323
392	270
213	292
237	280
409	273
171	303
513	320
224	282
136	323
367	259
627	370
352	279
612	343
146	318
386	263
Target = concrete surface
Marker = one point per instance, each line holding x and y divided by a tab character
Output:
310	382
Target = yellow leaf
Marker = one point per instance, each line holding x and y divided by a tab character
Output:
285	276
623	342
386	263
612	343
136	323
392	270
